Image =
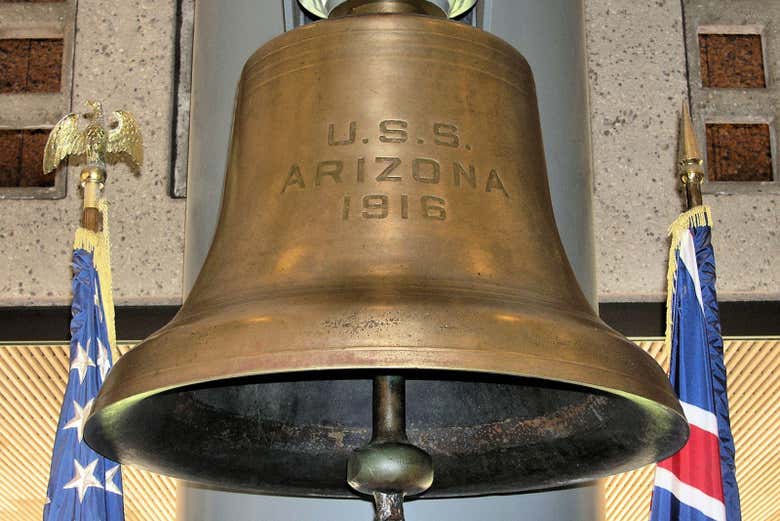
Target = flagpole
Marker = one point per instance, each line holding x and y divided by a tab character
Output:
691	162
699	481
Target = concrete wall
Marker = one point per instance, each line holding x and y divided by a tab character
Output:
124	57
746	213
638	79
636	62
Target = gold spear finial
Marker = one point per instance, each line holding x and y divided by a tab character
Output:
691	161
690	148
94	146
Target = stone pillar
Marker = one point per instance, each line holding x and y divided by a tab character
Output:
550	35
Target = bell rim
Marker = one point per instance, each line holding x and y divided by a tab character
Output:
108	396
651	395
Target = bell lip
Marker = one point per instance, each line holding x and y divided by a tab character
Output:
112	396
120	394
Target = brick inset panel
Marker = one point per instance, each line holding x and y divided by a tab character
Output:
21	158
14	59
30	65
731	61
739	152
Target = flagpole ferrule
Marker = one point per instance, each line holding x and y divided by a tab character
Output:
691	160
692	176
93	179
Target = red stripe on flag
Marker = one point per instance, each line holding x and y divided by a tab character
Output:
698	463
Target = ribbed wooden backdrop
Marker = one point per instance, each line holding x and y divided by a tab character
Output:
754	394
32	381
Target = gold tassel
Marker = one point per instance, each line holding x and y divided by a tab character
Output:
99	244
696	216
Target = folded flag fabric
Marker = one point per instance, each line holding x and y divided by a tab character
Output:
699	482
83	485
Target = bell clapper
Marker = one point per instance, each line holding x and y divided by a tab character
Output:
389	467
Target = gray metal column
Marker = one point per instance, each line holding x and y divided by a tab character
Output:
225	36
550	35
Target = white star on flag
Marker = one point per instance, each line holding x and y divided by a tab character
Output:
102	360
83	478
79	418
82	362
110	485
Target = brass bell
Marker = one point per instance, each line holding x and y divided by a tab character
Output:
386	227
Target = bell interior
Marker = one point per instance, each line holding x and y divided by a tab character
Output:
291	434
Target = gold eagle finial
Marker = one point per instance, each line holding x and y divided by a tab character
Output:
96	143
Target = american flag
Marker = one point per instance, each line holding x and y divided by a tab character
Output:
698	483
83	485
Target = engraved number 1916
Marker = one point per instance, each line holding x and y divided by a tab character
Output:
378	206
